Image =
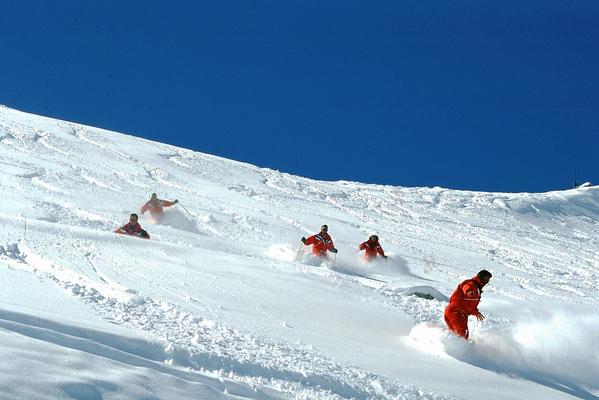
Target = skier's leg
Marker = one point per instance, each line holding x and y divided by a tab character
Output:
457	322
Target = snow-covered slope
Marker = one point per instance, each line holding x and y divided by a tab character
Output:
216	305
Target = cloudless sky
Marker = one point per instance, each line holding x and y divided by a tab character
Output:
492	96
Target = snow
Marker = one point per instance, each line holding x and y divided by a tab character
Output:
224	301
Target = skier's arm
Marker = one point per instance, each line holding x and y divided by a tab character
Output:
310	240
332	248
470	290
123	230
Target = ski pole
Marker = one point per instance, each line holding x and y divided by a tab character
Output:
25	235
298	250
185	209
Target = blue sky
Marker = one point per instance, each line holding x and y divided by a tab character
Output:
491	96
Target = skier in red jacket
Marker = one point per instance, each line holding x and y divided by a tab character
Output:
464	302
321	243
155	206
133	228
373	248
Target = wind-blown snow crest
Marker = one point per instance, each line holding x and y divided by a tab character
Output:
225	302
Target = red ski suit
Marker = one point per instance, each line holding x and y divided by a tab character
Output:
136	230
461	305
321	243
372	249
156	206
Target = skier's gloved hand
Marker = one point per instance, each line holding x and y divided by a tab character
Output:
385	257
143	212
304	240
334	251
176	201
144	234
361	247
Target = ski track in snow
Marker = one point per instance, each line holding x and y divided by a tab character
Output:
189	320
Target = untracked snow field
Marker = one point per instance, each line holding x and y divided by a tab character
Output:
224	301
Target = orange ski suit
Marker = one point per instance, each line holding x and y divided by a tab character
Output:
136	230
156	206
461	305
321	243
372	249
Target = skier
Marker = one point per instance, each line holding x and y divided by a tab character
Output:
373	248
464	302
321	243
155	206
133	228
